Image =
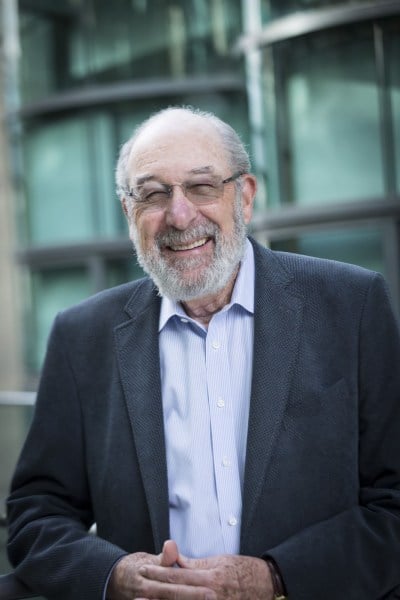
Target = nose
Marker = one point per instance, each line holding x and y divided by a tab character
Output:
180	212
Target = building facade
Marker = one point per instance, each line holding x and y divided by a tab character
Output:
312	86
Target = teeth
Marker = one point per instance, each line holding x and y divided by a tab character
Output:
190	246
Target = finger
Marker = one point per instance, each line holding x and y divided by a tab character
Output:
170	554
193	563
182	561
186	577
170	591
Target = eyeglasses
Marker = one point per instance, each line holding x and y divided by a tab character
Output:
200	191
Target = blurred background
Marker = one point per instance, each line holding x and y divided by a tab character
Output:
312	86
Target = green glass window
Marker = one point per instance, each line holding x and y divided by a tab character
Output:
69	180
52	290
36	35
104	41
327	114
393	34
122	271
360	246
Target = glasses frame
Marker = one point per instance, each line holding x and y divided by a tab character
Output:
168	188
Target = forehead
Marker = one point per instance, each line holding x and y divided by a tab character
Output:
175	147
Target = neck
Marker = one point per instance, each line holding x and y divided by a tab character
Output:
203	309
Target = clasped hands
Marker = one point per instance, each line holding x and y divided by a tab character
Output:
171	576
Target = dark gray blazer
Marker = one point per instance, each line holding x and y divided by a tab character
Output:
322	476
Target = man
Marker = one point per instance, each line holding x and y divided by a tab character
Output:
231	424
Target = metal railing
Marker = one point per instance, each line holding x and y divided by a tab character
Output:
17	398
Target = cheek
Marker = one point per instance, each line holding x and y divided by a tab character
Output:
221	215
146	228
225	220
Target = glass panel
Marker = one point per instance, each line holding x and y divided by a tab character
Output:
105	206
394	82
58	181
271	98
130	39
69	168
52	290
328	122
359	246
36	36
122	271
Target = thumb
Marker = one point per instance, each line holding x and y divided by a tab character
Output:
170	554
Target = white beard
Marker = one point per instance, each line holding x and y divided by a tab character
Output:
169	279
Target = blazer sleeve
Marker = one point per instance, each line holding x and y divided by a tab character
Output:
356	554
49	507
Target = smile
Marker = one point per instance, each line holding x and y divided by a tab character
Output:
190	246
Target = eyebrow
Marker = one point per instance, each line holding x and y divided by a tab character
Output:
202	170
196	171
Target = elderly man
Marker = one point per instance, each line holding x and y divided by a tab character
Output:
231	424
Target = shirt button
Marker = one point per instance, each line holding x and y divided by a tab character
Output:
220	403
226	462
232	521
216	344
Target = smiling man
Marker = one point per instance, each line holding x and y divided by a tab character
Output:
187	208
231	423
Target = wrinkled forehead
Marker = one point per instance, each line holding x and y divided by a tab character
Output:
175	146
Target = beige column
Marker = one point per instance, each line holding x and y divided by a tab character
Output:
11	376
11	363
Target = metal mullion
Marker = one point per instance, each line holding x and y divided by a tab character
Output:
97	273
391	253
124	91
294	230
95	205
385	112
282	134
373	208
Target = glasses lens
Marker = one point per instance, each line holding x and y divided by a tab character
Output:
154	194
203	191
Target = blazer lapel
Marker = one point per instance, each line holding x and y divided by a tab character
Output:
138	358
277	324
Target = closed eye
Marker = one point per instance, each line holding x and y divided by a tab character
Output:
154	195
201	189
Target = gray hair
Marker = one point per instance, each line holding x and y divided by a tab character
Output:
237	155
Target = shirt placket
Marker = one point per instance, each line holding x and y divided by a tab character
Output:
226	468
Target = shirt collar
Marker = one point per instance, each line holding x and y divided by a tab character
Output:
243	291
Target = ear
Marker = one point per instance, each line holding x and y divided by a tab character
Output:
249	189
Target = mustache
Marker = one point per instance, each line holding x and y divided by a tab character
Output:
174	236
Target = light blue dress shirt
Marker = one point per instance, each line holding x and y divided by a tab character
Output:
206	385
